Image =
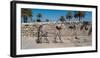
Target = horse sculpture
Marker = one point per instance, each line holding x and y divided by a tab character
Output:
42	34
84	25
72	27
58	33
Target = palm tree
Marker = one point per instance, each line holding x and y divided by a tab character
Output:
38	20
69	15
25	13
79	15
33	20
62	19
47	20
39	16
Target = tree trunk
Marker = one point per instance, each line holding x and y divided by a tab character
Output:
79	19
25	19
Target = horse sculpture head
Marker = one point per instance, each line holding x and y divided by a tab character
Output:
58	27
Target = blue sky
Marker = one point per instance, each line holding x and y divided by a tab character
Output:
54	15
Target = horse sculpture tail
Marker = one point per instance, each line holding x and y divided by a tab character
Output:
90	31
81	28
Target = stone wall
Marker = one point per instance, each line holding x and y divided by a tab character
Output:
31	30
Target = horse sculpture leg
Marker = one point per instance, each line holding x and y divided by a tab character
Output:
47	41
45	37
39	38
55	39
60	37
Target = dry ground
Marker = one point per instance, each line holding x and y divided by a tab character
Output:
28	38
